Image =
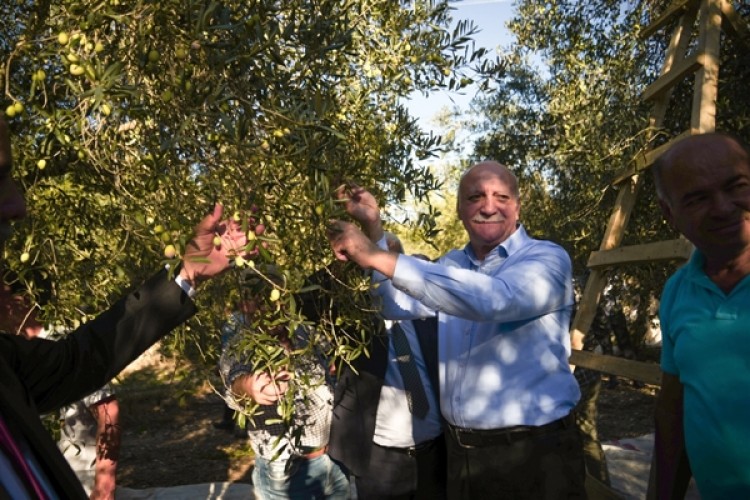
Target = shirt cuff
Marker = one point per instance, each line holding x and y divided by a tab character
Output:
186	287
375	277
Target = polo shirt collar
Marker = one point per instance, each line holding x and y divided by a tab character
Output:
696	263
694	268
695	272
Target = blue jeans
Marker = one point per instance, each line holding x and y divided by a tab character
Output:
300	479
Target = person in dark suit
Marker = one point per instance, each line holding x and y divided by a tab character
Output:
363	397
392	449
40	376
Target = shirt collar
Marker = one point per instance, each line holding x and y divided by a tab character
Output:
511	245
696	263
695	270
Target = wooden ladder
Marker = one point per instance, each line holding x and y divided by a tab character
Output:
682	59
703	63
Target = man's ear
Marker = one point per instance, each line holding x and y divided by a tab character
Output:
666	211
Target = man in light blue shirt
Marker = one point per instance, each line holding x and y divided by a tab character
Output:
503	305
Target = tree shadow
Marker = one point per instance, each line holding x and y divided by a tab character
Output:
168	437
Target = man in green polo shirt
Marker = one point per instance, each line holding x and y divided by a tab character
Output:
703	410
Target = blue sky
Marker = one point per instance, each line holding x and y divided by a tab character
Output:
490	17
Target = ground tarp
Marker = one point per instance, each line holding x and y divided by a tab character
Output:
628	461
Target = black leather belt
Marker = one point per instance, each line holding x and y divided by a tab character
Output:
415	450
508	435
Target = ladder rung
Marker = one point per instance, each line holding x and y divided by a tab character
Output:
678	249
649	373
645	159
669	79
677	8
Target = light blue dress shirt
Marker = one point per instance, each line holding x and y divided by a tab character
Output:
503	329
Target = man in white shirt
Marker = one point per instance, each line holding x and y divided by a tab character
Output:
387	428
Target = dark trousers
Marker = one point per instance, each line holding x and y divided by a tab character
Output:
396	474
523	463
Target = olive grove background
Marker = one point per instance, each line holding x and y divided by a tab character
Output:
132	117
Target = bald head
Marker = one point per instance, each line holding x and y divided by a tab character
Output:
491	168
703	183
692	152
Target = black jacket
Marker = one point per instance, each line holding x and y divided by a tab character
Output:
357	397
357	393
39	376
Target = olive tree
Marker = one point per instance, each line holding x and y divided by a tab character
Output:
131	118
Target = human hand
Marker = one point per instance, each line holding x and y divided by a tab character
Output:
358	202
362	206
263	388
348	242
203	259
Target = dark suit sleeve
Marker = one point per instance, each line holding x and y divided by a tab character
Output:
59	373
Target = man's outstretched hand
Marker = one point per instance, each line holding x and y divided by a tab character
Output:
203	259
348	242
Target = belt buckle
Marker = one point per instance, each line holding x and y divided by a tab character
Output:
457	434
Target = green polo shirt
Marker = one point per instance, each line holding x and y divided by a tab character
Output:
706	343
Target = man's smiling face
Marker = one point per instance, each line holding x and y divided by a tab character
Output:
707	195
488	206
